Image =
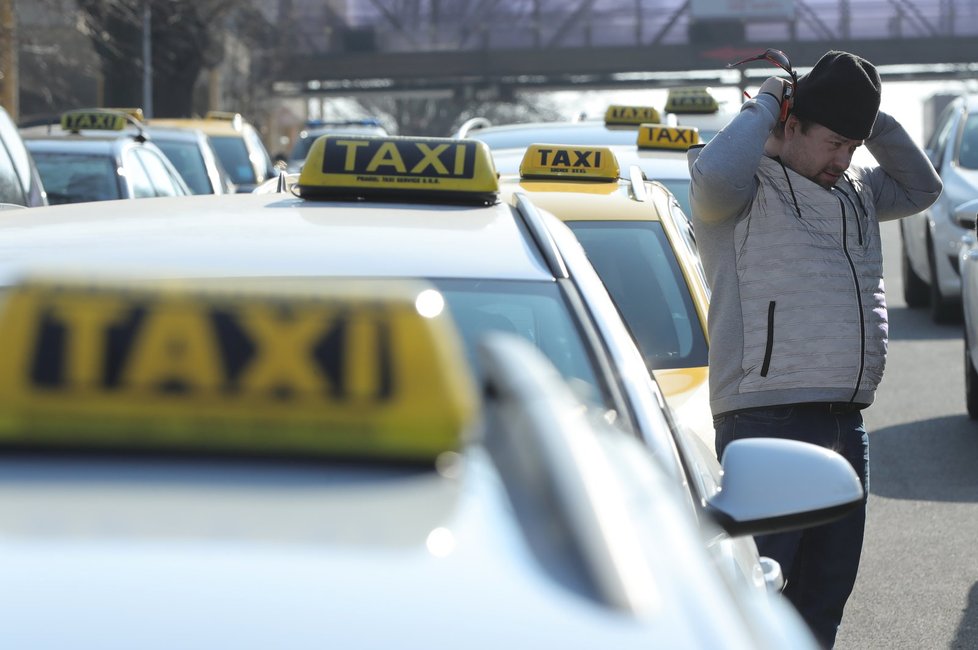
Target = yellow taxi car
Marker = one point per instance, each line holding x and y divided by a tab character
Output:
641	244
429	209
100	155
662	158
236	142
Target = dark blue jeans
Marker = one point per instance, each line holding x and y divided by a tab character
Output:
819	563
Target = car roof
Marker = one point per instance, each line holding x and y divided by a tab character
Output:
86	144
272	235
656	163
584	200
208	126
594	132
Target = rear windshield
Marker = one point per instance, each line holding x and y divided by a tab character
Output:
186	157
76	178
233	155
640	270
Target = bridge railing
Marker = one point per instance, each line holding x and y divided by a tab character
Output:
507	24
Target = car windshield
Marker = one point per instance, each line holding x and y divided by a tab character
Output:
304	143
536	311
640	270
968	150
76	178
186	157
233	154
572	133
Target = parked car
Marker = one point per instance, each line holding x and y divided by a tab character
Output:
20	182
932	241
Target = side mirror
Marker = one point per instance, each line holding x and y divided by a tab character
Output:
772	485
966	214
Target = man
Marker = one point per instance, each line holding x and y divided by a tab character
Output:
790	240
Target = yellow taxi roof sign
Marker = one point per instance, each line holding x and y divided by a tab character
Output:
691	100
360	166
630	115
553	161
96	119
661	136
235	119
135	113
344	368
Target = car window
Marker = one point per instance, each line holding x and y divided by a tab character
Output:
637	265
680	189
257	153
536	311
139	181
968	147
186	157
939	136
159	174
233	155
19	157
74	178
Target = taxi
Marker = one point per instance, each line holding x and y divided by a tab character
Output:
641	244
265	460
193	155
429	209
236	142
100	155
697	107
658	150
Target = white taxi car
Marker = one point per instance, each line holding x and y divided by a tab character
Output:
100	155
423	208
270	461
968	264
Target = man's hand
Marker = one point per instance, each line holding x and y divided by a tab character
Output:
775	86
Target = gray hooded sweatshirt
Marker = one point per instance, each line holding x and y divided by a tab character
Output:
798	312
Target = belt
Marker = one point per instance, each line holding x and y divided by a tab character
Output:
835	408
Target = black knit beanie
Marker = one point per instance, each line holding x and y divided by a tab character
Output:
842	92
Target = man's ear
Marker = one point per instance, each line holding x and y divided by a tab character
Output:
792	127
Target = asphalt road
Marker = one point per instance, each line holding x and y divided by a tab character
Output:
918	581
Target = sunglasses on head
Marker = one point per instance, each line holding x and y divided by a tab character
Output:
779	59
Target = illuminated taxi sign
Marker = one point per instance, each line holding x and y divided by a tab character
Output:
660	136
691	100
344	368
367	166
630	115
569	162
97	120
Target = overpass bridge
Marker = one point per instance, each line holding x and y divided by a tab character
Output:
493	47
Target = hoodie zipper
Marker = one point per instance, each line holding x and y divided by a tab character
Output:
859	297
